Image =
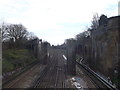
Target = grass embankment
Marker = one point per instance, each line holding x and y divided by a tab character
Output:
16	58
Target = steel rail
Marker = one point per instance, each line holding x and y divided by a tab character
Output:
100	79
43	74
11	84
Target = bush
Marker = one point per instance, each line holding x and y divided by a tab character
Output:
7	66
16	58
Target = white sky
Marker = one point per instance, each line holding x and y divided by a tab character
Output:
55	20
119	8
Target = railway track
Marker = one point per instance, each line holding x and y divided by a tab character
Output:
12	83
47	75
54	75
43	74
97	80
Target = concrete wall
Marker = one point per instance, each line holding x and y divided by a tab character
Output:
44	52
39	49
71	57
101	49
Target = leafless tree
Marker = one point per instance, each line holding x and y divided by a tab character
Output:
31	36
103	20
3	30
80	36
95	21
16	32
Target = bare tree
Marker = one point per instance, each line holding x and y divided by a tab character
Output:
95	21
31	36
16	32
3	30
103	20
80	36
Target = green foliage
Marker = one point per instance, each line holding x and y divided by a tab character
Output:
15	58
7	66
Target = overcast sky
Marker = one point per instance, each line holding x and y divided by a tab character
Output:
55	20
